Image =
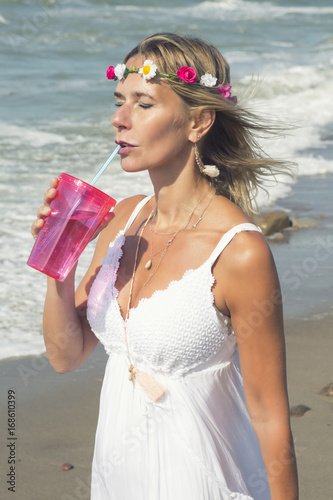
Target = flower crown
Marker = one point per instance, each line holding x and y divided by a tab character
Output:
186	74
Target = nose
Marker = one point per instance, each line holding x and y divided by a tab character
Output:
121	118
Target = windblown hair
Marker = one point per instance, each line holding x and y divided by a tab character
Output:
232	142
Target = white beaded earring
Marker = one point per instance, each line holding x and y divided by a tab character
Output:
209	170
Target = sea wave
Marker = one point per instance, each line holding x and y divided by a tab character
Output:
3	20
21	135
229	9
242	9
301	97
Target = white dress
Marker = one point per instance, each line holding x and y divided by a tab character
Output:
197	442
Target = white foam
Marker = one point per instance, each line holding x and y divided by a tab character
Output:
224	9
3	20
29	135
275	192
24	345
246	10
301	97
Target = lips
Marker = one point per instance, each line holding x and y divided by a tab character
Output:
125	147
124	144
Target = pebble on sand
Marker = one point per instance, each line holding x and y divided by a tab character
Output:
299	410
327	390
67	466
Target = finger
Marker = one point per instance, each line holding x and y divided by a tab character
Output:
43	212
54	183
49	196
37	225
51	193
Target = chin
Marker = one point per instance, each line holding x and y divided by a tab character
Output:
130	167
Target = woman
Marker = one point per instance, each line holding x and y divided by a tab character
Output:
183	293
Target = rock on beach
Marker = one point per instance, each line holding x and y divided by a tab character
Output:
273	222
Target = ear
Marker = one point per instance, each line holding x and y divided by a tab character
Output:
202	122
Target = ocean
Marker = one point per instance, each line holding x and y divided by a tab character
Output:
56	106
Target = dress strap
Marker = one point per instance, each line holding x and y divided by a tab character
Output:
227	237
136	211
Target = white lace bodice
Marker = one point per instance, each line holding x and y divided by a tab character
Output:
174	331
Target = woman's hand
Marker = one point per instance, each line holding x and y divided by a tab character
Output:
45	210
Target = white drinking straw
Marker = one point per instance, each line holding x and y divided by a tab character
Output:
105	165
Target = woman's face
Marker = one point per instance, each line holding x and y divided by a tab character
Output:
150	124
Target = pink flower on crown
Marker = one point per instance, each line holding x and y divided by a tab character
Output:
110	74
186	74
224	91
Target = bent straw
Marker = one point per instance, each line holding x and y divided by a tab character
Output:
105	165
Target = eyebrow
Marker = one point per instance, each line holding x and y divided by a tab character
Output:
138	95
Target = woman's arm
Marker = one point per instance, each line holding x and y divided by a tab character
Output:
68	337
253	297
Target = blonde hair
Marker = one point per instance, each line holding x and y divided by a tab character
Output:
232	142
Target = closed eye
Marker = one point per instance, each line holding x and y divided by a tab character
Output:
142	105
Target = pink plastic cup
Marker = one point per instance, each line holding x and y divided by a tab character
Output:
76	213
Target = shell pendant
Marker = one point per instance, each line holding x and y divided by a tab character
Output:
148	264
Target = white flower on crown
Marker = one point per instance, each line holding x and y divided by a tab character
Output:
148	70
119	71
208	80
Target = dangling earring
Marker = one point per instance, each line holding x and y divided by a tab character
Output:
209	170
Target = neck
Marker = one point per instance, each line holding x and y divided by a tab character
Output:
176	200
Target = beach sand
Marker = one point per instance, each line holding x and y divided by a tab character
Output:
56	418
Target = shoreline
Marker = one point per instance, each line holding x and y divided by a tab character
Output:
303	258
56	416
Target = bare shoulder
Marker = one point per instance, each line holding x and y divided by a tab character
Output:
245	270
247	248
247	265
128	204
122	213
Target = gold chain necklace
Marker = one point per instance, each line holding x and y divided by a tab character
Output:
186	229
165	249
152	388
183	227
